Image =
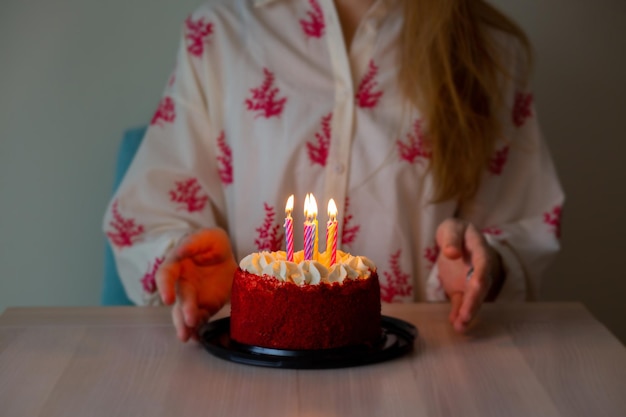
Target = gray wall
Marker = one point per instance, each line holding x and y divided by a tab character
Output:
75	73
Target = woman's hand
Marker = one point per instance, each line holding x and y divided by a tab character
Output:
469	269
197	276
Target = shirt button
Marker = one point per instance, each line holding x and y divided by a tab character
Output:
339	168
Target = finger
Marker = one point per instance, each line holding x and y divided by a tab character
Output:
475	292
168	273
478	284
472	300
476	246
188	299
207	258
206	247
450	235
203	241
182	332
203	317
190	245
456	299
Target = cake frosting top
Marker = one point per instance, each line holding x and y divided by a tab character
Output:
308	272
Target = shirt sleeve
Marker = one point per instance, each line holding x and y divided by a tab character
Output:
519	204
172	187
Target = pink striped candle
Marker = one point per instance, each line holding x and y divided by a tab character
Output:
309	230
331	232
289	229
313	212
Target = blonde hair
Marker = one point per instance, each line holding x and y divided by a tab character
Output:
451	69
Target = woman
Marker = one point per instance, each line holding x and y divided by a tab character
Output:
411	114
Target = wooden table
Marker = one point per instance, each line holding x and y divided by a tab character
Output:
521	360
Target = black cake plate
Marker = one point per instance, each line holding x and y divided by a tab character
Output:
397	337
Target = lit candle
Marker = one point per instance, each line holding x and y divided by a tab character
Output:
309	229
331	232
313	209
289	229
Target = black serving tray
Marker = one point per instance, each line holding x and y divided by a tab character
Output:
397	337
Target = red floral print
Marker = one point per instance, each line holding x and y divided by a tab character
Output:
197	34
414	147
366	97
225	160
125	230
553	219
497	162
165	113
189	195
318	152
270	235
264	101
349	233
149	279
492	230
430	254
397	283
315	25
522	108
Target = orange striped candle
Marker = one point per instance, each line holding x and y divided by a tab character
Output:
331	232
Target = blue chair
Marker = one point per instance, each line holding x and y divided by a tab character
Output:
113	292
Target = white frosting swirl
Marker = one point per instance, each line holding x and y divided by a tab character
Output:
303	272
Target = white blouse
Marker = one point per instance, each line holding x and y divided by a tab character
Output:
266	101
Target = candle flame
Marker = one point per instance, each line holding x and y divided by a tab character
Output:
312	206
306	206
332	210
289	206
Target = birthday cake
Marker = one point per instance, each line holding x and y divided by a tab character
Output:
305	304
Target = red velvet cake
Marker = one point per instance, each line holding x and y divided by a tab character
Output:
284	305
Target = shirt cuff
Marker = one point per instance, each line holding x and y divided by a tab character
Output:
434	289
137	266
514	287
